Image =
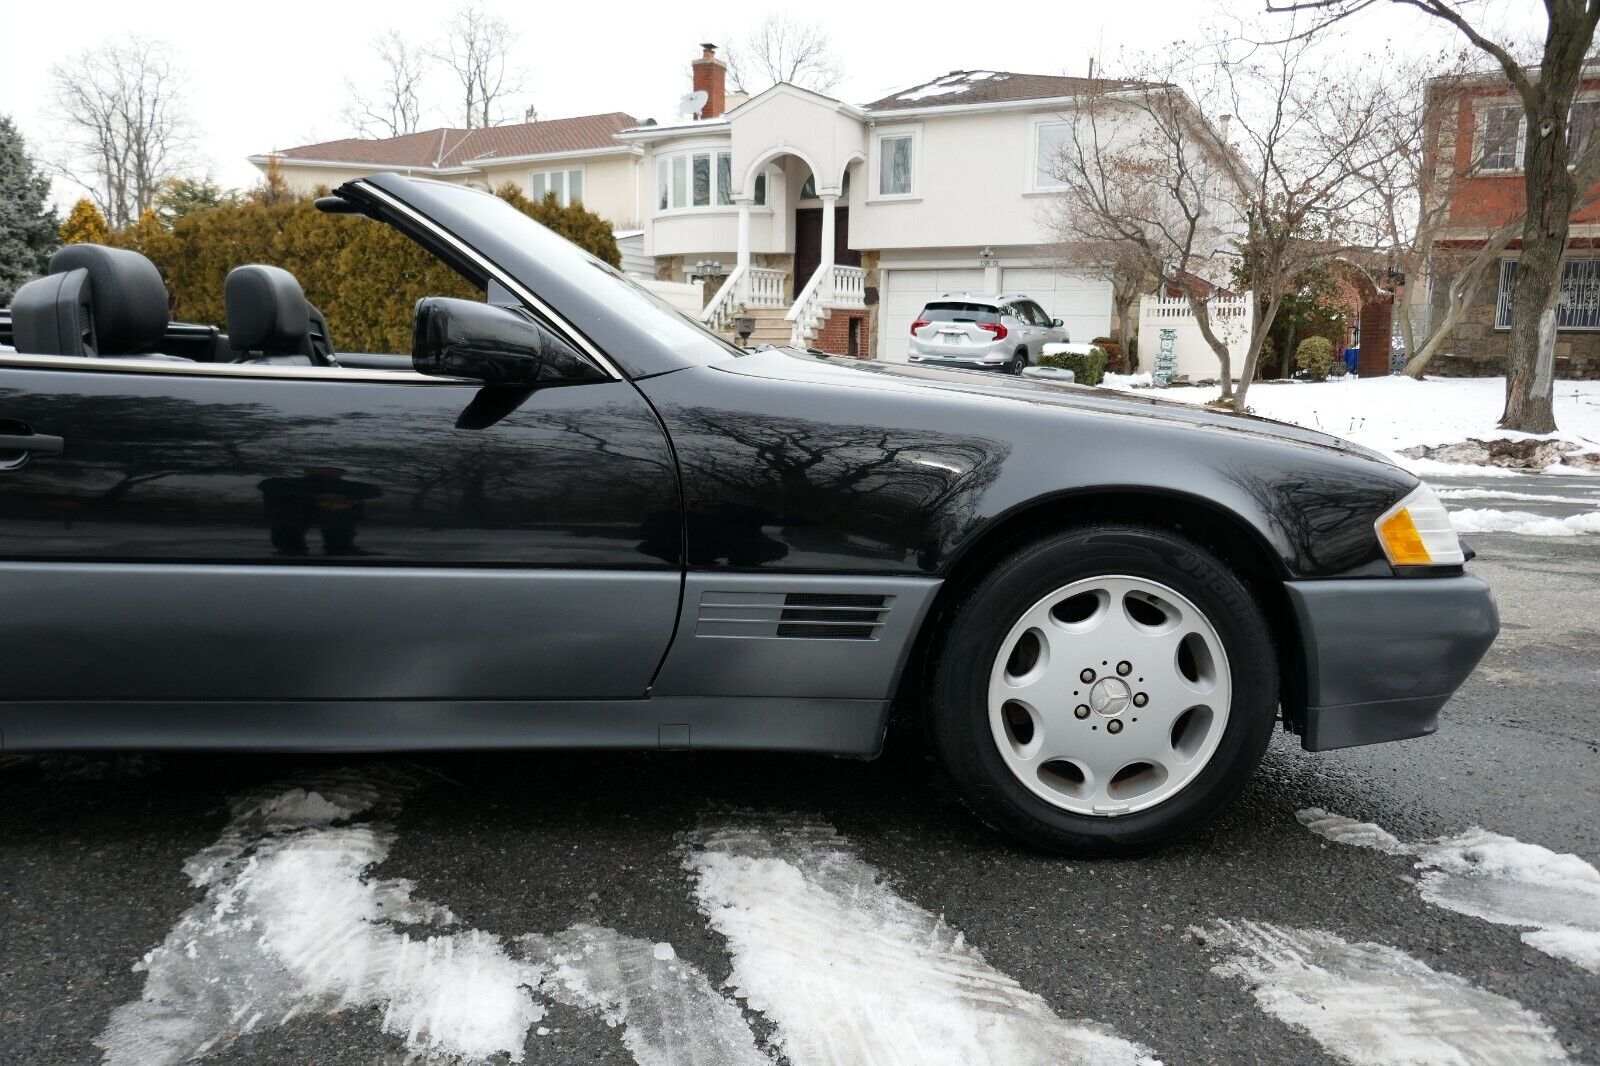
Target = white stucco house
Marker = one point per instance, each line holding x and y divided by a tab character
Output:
831	222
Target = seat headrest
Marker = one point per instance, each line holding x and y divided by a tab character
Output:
267	310
52	316
126	293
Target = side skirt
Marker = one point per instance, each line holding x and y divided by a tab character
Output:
833	726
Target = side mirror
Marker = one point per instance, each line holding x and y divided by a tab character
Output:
1055	323
494	345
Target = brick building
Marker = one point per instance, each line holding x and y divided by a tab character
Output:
1478	149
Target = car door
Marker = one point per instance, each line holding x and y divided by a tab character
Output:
225	533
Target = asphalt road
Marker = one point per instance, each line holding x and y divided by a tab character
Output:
93	851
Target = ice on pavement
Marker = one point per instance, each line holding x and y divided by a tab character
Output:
1508	494
669	1012
1489	520
292	924
849	971
1495	878
1374	1005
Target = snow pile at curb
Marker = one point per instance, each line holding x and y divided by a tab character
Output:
1393	413
1489	520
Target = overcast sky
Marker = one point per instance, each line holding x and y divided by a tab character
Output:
264	77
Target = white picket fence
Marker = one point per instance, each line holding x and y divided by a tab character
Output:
1230	320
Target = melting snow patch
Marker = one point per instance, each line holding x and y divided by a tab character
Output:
848	971
669	1013
291	923
1372	1004
1488	520
1496	878
1507	494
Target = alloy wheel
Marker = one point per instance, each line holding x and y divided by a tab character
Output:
1109	695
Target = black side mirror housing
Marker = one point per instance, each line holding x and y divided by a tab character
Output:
1056	323
494	345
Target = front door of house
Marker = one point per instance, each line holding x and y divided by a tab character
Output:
808	242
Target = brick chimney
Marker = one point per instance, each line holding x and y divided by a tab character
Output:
711	78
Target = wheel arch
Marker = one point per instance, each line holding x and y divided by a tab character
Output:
1226	534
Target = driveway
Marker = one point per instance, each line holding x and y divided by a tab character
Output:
709	908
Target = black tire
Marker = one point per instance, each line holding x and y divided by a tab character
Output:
1019	360
977	626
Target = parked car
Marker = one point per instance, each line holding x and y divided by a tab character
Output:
983	332
572	517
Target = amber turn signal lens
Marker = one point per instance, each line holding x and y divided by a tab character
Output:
1402	542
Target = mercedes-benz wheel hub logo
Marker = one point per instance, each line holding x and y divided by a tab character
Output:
1110	696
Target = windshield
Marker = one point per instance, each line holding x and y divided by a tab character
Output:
620	294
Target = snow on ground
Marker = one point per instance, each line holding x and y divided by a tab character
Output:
1489	520
1391	413
1495	878
1374	1005
293	922
669	1012
848	971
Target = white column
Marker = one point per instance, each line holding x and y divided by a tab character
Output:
743	262
826	265
991	276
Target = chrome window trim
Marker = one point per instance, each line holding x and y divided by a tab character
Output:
514	286
221	370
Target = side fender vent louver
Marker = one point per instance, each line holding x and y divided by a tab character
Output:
792	615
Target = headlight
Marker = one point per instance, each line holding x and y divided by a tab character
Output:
1417	532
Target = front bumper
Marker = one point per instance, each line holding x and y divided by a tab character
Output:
1383	655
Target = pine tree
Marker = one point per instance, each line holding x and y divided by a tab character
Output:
85	224
27	221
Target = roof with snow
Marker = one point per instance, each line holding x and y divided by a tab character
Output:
961	87
450	147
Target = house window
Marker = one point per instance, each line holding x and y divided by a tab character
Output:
694	179
894	164
1050	140
761	189
566	184
1502	137
1578	306
1581	125
808	189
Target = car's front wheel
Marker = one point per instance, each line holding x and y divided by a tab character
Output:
1104	690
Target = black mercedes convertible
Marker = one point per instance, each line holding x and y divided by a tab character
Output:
573	517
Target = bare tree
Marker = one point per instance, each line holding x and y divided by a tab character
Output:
477	50
1546	92
782	48
1305	130
394	106
128	129
1140	177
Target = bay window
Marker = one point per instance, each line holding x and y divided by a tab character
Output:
695	179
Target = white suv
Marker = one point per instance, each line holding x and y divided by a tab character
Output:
983	332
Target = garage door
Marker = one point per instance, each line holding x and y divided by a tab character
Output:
1081	301
905	292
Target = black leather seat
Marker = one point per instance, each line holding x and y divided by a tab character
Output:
96	301
271	321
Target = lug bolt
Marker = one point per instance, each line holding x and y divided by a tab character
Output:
1113	726
1140	699
1081	710
1087	675
1124	668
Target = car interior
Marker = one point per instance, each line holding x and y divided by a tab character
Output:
100	302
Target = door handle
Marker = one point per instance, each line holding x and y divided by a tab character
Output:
32	442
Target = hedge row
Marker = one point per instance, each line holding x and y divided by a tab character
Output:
1087	368
365	277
